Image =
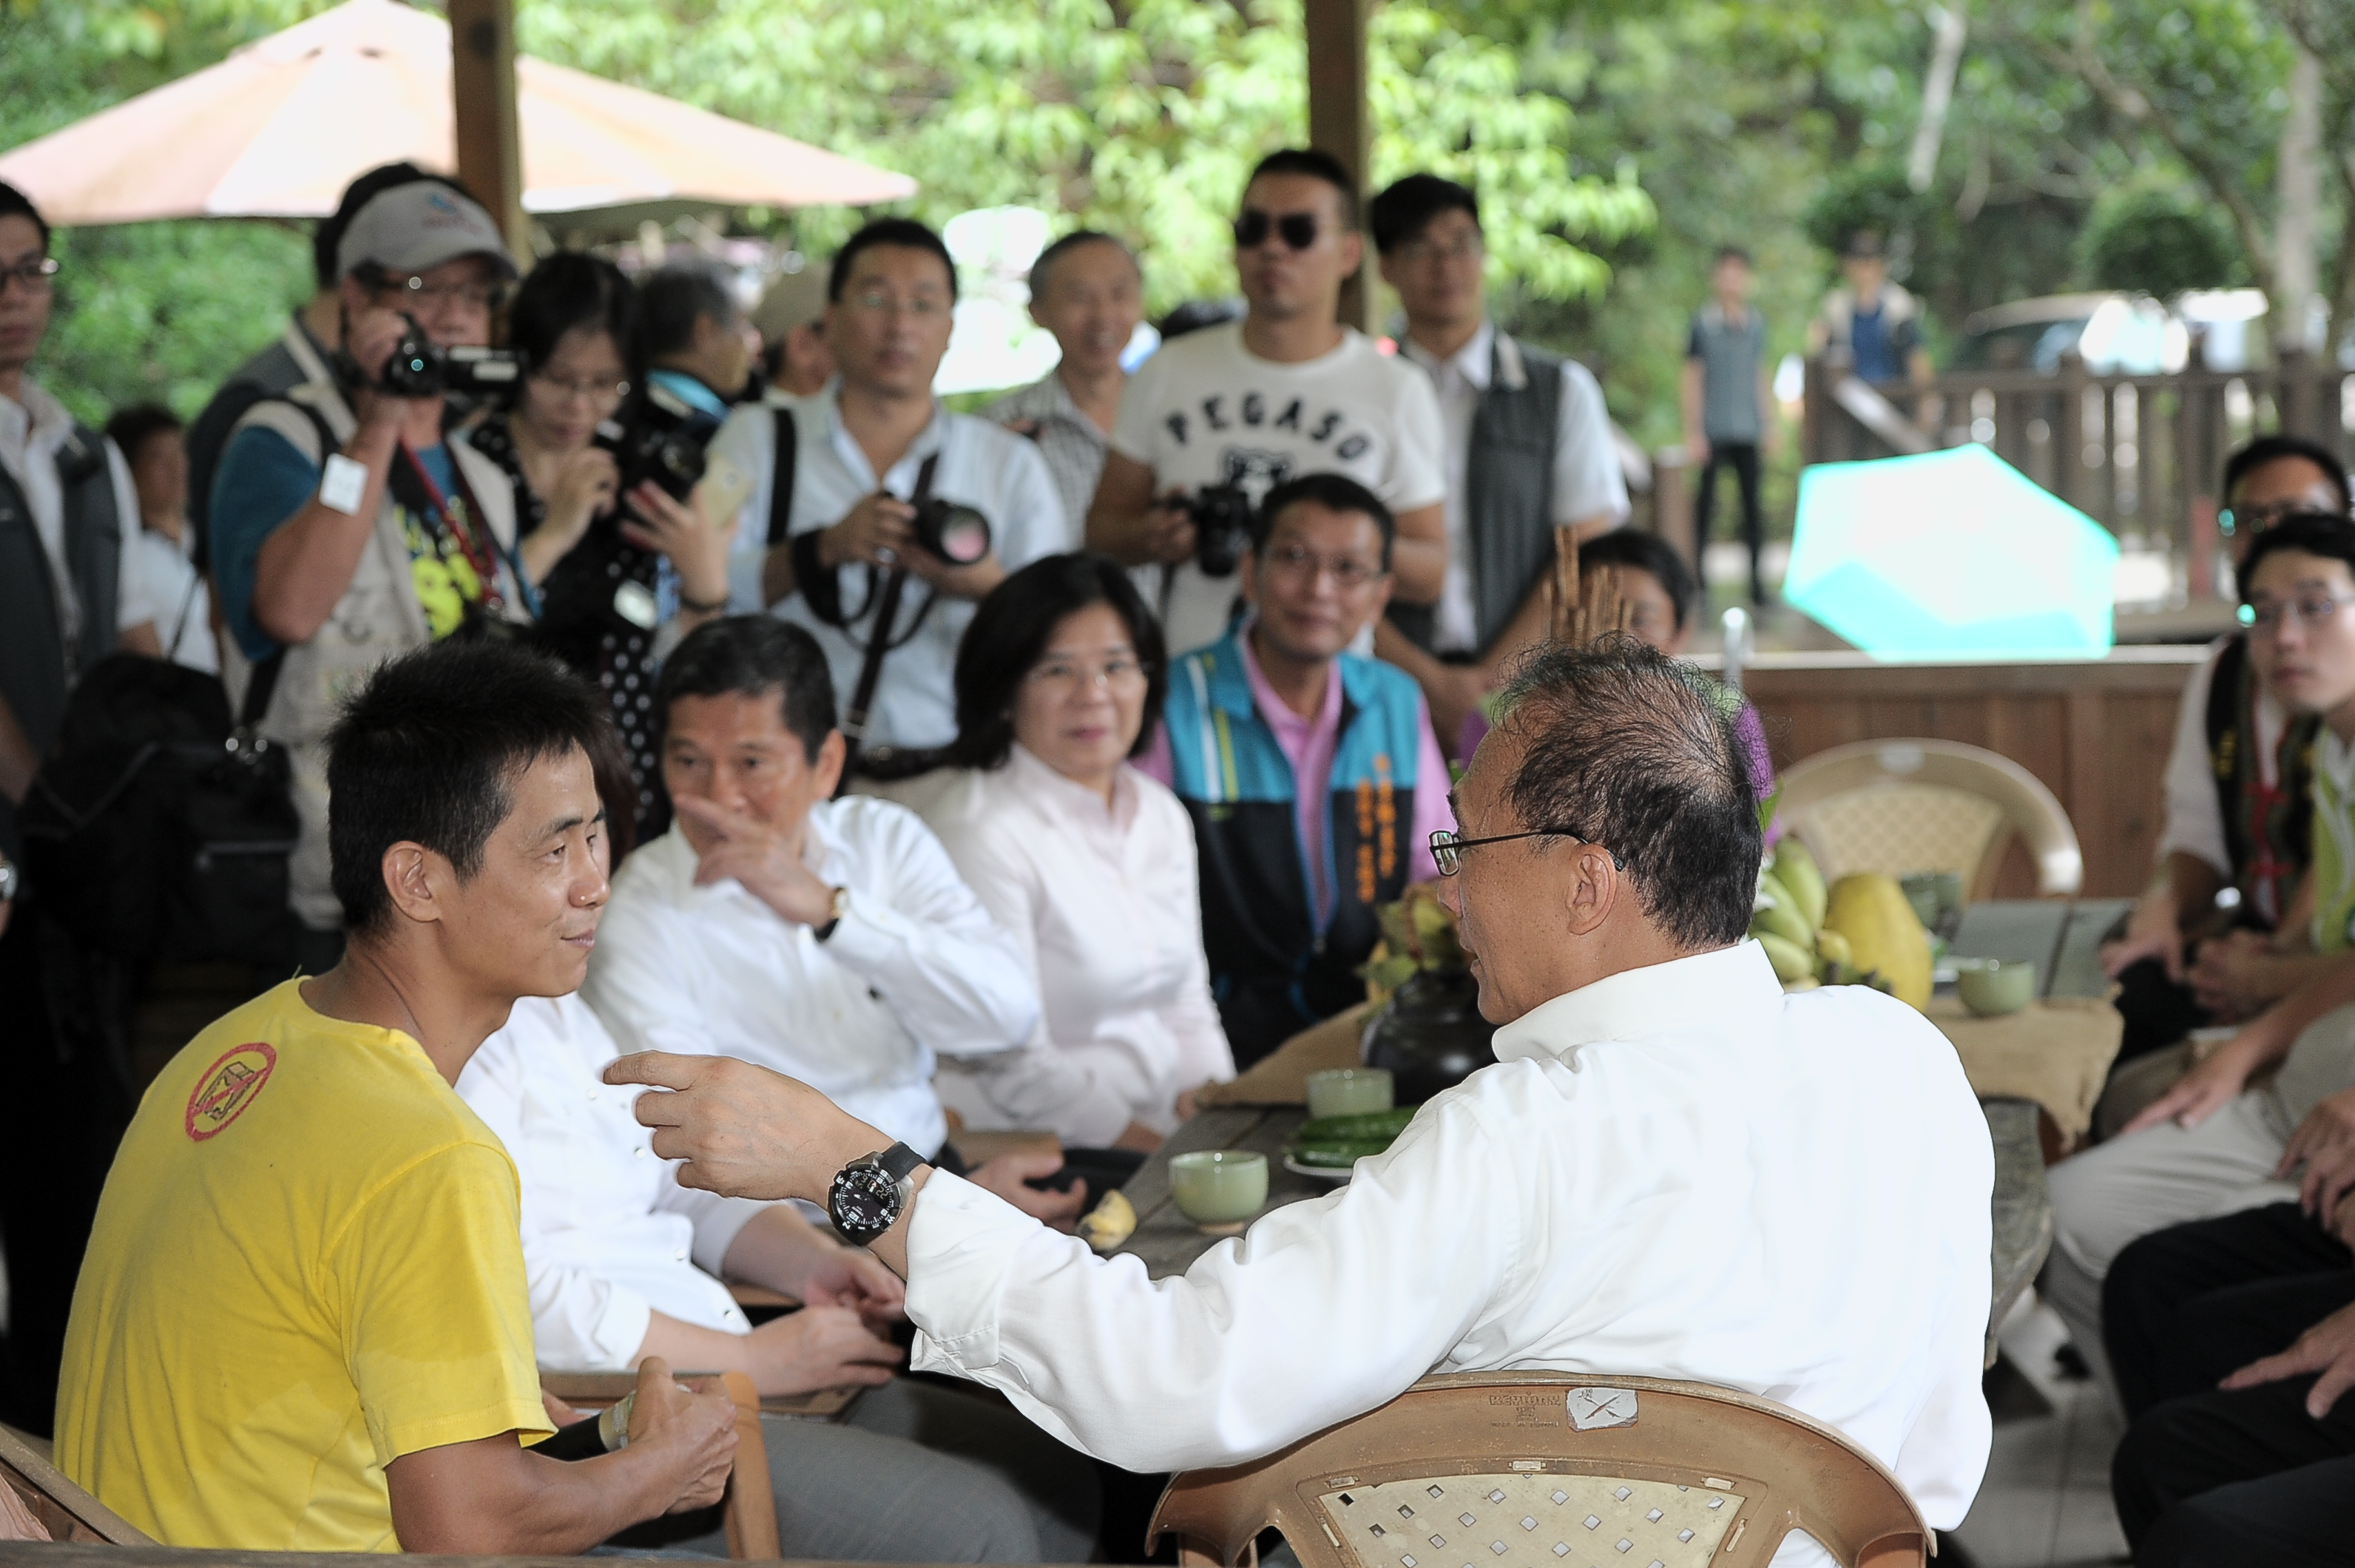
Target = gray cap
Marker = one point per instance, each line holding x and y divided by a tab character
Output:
796	299
419	225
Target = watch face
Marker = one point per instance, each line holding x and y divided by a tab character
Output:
864	1202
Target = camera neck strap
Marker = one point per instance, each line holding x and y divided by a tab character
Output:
879	640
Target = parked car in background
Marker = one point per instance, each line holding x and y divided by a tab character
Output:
2118	334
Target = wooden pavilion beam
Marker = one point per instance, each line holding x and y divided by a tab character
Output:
483	93
1338	119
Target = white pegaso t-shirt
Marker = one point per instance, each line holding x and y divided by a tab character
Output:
1204	411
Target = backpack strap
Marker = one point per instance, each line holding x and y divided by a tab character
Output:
781	476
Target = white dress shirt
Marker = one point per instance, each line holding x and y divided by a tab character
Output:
916	969
1105	906
609	1235
33	425
2195	820
1675	1172
981	465
1587	481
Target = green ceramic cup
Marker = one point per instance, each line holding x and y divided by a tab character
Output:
1991	987
1350	1090
1219	1186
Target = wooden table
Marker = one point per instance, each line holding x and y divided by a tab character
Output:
2062	938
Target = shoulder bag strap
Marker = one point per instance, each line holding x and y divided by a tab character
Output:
781	476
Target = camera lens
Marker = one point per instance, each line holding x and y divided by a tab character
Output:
963	536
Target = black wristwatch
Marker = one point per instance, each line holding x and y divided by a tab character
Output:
869	1194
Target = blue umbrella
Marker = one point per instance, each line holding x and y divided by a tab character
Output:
1950	554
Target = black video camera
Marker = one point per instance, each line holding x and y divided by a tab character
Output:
1222	516
421	368
664	439
951	530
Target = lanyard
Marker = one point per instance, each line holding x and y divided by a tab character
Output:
472	531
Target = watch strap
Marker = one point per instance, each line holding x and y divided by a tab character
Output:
899	1161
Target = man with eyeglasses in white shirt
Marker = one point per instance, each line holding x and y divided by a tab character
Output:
1674	1169
819	554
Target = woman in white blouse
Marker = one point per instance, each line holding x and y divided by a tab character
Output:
1088	864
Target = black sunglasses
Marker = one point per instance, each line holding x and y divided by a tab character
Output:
1298	230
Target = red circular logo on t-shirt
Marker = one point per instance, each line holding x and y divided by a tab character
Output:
228	1087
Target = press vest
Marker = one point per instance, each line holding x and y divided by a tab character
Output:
1507	491
36	674
1271	971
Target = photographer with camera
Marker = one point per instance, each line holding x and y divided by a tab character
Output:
886	486
611	570
1215	421
346	529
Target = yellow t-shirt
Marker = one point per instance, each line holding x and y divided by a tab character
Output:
305	1265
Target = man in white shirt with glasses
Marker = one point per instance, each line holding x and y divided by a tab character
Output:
1674	1169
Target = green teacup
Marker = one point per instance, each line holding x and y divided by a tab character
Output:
1220	1187
1991	987
1350	1090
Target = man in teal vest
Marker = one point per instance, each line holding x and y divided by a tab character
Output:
1311	774
1529	449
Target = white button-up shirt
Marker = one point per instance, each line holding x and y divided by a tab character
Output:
1105	906
916	969
982	465
1587	480
1677	1172
609	1235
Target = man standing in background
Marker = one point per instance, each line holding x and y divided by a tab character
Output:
1529	450
1088	291
1726	400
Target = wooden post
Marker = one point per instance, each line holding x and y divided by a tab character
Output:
483	93
1338	121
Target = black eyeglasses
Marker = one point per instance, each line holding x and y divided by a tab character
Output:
36	274
1446	848
1297	229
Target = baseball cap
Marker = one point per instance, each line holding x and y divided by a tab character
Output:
796	299
422	224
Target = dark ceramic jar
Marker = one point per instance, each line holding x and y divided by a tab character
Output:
1431	1035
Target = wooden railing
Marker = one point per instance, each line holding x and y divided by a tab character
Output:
2141	454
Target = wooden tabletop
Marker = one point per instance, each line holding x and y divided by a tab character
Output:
2062	938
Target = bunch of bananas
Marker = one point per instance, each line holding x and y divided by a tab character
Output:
1790	925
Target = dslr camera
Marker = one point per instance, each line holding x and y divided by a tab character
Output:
1222	516
951	530
420	368
663	438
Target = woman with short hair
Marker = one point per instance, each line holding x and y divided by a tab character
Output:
1088	863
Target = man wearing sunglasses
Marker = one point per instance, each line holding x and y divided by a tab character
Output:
2236	798
345	530
1673	1170
1285	391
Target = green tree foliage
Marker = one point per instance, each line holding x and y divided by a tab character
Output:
2159	240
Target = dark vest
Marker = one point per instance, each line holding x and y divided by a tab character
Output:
34	672
1507	491
2268	833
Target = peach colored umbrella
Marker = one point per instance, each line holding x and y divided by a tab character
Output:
281	125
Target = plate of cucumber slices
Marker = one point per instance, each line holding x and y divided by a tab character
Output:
1327	1147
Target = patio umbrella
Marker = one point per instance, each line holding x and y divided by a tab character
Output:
279	128
1950	554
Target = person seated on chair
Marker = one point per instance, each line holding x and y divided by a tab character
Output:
1312	774
1087	863
2237	814
1674	1169
828	938
301	1323
2212	1144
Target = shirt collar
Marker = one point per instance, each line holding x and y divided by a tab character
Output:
1067	797
932	438
1473	361
33	416
1727	986
1273	707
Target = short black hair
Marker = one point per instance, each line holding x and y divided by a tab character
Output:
2268	449
15	203
1334	492
751	655
1633	751
1730	254
569	290
428	753
328	238
131	428
673	299
1406	208
1011	629
1647	553
903	232
1317	163
2308	533
1070	243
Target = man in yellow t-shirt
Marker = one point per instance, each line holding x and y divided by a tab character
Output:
301	1323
